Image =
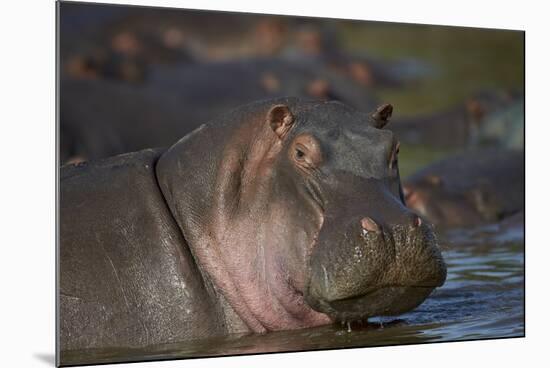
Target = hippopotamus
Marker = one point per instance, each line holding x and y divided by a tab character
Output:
90	46
280	214
122	43
244	35
101	118
474	187
458	127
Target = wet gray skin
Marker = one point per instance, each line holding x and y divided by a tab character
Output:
282	214
472	188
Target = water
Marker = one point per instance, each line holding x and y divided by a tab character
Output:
482	298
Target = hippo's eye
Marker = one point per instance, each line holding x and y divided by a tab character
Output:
305	152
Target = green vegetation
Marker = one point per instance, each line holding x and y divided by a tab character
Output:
414	157
467	60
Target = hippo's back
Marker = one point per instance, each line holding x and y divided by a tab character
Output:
127	278
496	175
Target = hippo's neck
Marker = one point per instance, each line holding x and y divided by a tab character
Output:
216	181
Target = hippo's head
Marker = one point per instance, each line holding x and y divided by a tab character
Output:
371	255
305	222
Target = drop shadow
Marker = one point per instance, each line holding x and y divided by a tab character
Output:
46	358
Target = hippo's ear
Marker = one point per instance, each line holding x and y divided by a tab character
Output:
381	116
280	119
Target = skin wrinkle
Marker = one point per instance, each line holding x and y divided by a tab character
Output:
204	277
225	279
321	217
120	285
164	243
318	210
117	277
290	295
263	158
212	255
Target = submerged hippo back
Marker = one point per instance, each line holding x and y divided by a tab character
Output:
470	188
127	277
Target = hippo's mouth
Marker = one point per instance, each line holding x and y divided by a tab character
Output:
382	301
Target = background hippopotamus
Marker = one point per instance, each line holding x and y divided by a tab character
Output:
124	44
148	76
177	100
471	188
476	121
281	214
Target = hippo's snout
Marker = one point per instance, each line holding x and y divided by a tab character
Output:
369	225
376	269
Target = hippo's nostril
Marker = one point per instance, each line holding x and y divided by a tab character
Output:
368	224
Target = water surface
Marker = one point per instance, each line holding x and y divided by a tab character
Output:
482	298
